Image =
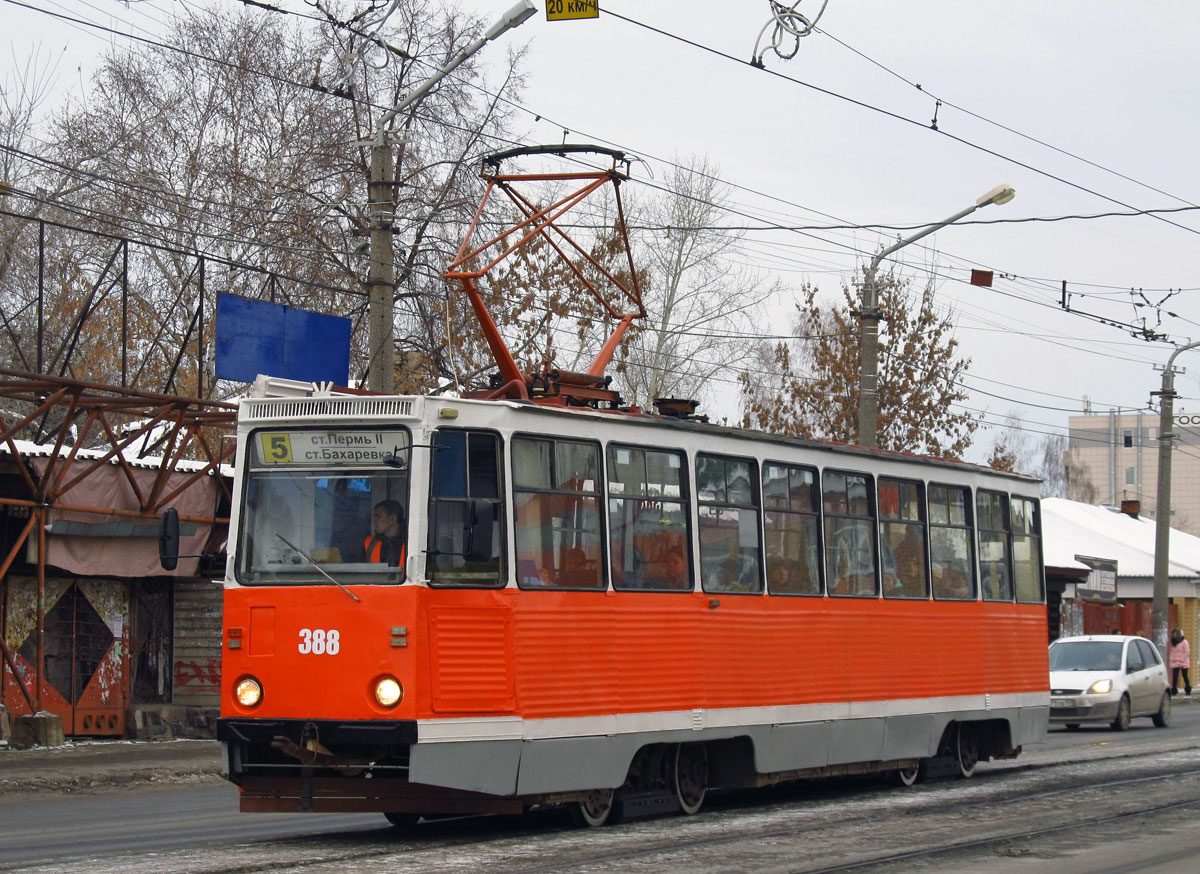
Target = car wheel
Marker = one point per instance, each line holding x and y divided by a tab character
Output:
1072	726
1122	721
1163	718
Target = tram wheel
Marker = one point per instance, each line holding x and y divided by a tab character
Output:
595	809
403	820
967	750
907	776
691	776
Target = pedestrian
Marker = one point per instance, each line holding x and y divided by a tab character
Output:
1180	660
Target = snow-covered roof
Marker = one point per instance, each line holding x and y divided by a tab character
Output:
153	462
1070	528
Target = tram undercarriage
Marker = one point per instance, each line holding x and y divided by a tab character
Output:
297	771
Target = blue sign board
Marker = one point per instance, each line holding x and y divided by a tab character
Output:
255	337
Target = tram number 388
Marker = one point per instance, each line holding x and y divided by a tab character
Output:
319	641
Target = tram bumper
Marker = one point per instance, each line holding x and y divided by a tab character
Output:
284	765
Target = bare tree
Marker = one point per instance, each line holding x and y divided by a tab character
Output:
700	303
808	387
1016	448
228	143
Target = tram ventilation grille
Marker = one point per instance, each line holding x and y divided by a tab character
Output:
328	407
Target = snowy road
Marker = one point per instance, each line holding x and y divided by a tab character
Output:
1091	801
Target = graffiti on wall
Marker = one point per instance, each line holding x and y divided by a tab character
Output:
202	673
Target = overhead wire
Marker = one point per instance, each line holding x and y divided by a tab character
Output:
852	248
889	114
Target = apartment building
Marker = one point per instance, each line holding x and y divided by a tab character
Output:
1114	458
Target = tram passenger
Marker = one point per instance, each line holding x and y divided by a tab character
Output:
386	543
575	570
675	572
779	576
951	583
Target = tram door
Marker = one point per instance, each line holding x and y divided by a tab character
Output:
85	651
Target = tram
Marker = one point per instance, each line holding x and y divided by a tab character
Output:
586	605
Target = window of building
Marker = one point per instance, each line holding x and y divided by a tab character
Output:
650	534
951	551
1130	476
1127	438
792	503
727	499
902	539
556	513
1027	549
466	511
850	542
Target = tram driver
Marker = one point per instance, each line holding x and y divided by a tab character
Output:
386	543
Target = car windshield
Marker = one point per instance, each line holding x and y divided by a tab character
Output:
1086	655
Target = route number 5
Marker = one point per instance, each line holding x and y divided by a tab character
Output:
276	448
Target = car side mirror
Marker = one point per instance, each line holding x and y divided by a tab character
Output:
168	539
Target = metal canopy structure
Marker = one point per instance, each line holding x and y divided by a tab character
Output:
545	222
76	428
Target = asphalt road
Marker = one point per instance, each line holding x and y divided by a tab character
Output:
810	827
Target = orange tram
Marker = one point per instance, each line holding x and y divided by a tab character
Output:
537	597
610	612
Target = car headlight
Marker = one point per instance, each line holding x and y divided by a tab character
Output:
388	691
248	692
1100	687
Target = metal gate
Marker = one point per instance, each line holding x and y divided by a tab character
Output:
86	650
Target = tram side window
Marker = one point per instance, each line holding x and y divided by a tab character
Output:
994	565
648	516
556	509
850	542
951	556
727	496
1027	549
902	539
466	513
792	504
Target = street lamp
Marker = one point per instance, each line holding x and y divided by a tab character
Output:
868	394
1162	521
381	280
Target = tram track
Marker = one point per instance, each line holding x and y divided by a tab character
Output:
855	828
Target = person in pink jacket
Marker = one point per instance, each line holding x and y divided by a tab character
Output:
1180	659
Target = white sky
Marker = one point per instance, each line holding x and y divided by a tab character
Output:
1112	83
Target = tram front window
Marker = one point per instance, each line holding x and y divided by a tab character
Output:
321	504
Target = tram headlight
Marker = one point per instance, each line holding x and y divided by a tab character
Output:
388	691
1100	687
248	692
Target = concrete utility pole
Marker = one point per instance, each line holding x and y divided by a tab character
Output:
381	204
868	390
1162	520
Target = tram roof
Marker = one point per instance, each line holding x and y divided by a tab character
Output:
653	420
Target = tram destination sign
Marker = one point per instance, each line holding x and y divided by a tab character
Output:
349	447
1101	584
565	10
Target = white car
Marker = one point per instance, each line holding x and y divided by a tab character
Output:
1107	678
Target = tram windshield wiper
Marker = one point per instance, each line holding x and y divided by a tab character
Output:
304	555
